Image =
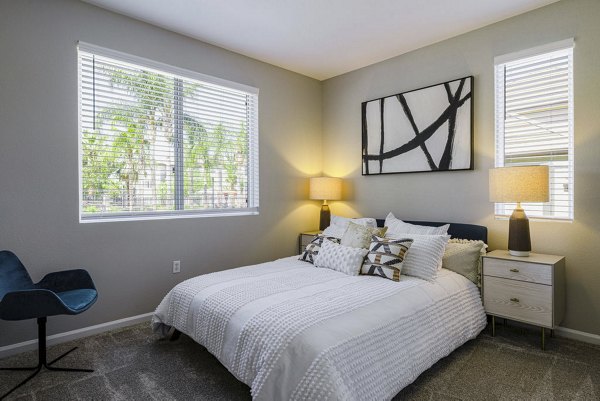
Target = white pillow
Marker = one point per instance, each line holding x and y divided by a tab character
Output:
339	224
334	231
341	258
395	225
424	257
363	221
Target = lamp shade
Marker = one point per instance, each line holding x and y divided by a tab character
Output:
519	184
325	188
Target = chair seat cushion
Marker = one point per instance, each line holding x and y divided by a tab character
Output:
78	300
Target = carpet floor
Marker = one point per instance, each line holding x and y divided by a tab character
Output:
134	364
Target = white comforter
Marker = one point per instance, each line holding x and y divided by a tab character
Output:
295	332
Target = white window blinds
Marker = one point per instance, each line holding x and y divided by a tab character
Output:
534	122
158	141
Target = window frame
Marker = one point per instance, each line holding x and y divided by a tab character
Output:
501	210
159	67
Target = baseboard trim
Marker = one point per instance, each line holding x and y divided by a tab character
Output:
578	335
12	349
561	332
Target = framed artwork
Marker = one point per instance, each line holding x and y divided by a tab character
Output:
427	129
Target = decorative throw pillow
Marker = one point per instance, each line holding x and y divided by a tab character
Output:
341	258
339	224
464	257
396	225
385	257
312	249
334	230
425	254
358	236
363	221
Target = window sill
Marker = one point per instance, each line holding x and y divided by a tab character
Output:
546	219
167	216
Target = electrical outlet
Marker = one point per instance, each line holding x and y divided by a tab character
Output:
176	266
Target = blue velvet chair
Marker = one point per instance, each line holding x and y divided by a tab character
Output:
68	292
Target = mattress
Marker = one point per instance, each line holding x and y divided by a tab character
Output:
292	331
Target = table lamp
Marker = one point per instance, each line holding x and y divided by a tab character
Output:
519	184
325	188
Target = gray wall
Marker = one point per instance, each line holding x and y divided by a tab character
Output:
463	196
131	261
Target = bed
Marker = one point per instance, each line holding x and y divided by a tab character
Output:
291	331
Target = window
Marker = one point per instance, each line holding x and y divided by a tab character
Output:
534	121
158	141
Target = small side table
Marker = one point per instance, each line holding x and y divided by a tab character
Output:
305	238
525	289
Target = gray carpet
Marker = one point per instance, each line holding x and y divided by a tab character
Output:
134	364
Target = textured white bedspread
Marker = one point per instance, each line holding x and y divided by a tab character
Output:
295	332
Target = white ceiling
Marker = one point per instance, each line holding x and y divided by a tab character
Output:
321	38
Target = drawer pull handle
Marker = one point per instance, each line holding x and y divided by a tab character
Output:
514	299
514	270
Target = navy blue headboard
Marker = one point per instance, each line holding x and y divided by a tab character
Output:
456	230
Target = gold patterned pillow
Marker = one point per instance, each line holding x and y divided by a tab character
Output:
358	236
385	257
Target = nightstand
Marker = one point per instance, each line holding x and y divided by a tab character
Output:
305	239
525	289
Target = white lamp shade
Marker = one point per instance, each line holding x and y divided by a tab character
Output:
325	188
519	184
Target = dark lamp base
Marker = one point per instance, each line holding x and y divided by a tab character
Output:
325	217
519	240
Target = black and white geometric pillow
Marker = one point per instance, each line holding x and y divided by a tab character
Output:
312	249
385	257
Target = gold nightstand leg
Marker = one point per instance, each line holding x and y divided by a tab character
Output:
493	326
543	340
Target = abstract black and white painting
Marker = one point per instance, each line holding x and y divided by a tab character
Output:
428	129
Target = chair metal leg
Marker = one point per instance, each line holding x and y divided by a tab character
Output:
68	369
31	376
42	363
493	326
58	358
49	367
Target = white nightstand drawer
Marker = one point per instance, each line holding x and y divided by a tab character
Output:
519	300
523	271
